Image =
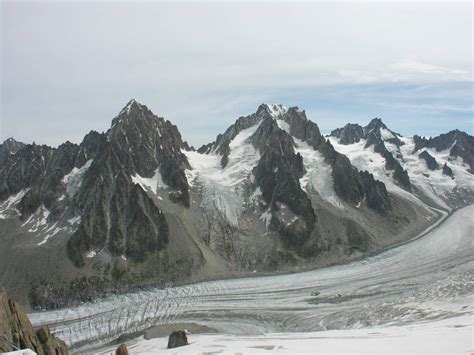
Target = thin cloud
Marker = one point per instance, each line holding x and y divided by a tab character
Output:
68	67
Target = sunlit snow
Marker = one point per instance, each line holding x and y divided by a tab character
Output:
318	173
153	183
222	187
73	180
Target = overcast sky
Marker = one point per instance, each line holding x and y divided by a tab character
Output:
69	67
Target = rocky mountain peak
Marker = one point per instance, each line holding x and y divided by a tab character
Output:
349	134
275	110
131	111
10	141
8	147
375	124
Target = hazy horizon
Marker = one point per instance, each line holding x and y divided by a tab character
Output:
69	67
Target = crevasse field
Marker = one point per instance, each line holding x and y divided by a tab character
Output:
416	297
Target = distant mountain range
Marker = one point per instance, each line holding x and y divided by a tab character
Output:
137	206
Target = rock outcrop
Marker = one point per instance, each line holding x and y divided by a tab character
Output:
447	170
16	328
177	338
349	134
431	162
122	350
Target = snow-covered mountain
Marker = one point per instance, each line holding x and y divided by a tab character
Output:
137	206
436	170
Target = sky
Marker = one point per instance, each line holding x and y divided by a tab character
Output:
68	67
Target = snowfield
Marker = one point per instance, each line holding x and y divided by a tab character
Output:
417	297
433	184
448	336
222	188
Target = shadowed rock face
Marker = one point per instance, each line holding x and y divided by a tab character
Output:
9	147
460	144
447	170
23	169
118	215
277	174
143	142
17	329
375	192
431	162
349	134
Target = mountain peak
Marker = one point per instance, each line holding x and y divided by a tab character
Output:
10	146
131	106
274	110
10	140
133	109
375	123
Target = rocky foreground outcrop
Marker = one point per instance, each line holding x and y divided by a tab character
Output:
177	338
16	328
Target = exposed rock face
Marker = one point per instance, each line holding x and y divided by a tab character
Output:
143	142
460	144
177	338
23	169
118	214
431	162
277	174
17	329
347	182
375	192
9	147
349	134
447	170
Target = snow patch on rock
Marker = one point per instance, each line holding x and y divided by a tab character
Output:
386	134
10	203
276	110
73	180
367	159
318	173
153	183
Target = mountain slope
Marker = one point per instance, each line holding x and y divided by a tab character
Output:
136	206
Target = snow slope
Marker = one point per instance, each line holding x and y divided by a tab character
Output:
429	279
73	180
433	184
153	183
448	336
318	173
223	188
